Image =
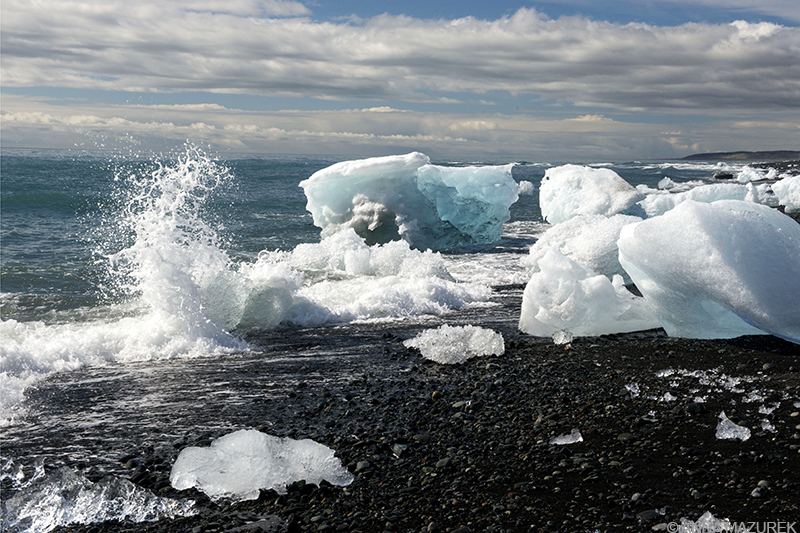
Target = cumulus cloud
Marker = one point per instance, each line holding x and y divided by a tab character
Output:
275	48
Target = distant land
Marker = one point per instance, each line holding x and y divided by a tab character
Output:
776	155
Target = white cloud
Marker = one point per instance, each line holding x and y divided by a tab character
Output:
30	122
239	47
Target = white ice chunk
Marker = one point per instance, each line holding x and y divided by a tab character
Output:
590	240
633	388
404	196
572	190
717	270
571	438
562	336
766	425
706	523
456	344
236	466
565	295
728	430
764	410
661	202
788	192
64	497
666	183
748	174
667	397
526	188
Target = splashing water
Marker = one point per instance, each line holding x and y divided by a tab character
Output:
170	277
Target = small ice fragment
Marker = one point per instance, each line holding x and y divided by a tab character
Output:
667	397
766	425
64	497
571	438
707	522
633	388
665	373
699	399
728	430
752	397
562	336
456	344
666	183
764	410
526	188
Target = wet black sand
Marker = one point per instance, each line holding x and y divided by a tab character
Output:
438	448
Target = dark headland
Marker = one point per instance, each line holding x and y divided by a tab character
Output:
773	155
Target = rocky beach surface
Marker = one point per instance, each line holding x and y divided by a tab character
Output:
469	447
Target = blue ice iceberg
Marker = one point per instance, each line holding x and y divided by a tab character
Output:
406	197
717	270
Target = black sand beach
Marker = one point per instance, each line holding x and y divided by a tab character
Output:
466	447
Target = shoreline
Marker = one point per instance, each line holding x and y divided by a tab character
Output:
476	436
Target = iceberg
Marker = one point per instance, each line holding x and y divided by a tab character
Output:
571	190
236	466
788	192
718	270
405	197
64	497
565	295
590	240
450	345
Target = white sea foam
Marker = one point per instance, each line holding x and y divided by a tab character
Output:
165	274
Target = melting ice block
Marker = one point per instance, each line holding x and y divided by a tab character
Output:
718	270
404	196
707	522
788	191
239	464
590	240
456	344
571	438
565	295
728	430
63	497
572	190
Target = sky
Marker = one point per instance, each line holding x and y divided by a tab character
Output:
566	81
